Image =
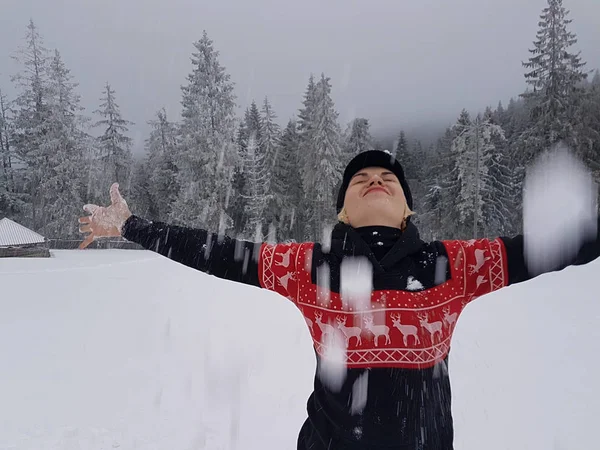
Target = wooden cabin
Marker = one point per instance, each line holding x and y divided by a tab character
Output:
21	242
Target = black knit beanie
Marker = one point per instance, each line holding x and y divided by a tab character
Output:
373	158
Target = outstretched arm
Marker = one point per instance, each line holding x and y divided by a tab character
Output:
272	267
490	265
221	256
519	271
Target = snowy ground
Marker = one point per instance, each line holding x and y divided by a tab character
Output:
106	349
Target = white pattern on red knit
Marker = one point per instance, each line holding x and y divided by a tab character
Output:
399	328
268	278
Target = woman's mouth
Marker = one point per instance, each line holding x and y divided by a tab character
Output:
376	189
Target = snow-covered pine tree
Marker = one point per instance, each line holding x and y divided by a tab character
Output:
253	123
11	202
402	150
499	114
242	134
405	154
431	213
555	75
473	148
257	196
322	170
358	139
501	198
286	186
114	146
587	127
270	133
415	170
249	126
141	197
31	121
236	206
516	120
160	167
207	153
439	215
269	144
62	187
306	123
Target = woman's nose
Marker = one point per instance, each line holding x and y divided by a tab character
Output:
375	179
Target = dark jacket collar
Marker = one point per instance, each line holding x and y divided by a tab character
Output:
352	243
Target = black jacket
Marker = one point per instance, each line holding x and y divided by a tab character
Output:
394	340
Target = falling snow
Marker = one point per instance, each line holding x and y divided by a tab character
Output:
356	281
559	209
412	284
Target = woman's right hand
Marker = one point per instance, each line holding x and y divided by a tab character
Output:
104	221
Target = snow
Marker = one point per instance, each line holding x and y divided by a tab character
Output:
559	206
412	284
356	283
106	349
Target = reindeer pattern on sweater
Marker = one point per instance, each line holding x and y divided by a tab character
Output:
394	328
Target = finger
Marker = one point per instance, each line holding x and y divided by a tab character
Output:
85	228
86	219
88	240
90	208
115	195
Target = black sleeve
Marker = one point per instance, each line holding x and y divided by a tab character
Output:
517	264
220	256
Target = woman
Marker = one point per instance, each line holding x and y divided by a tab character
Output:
377	295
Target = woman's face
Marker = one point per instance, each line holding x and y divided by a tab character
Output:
375	197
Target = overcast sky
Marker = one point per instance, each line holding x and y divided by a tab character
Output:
398	63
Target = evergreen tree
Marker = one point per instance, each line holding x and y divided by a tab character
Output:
433	207
402	151
142	197
440	216
286	185
253	123
63	144
417	158
270	135
237	203
416	173
473	148
407	157
321	140
358	139
555	76
10	202
242	134
207	153
588	126
30	123
161	170
249	127
257	180
306	125
501	199
114	146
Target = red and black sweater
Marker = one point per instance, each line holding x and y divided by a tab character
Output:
396	390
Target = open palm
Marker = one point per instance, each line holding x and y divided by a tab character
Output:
104	221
